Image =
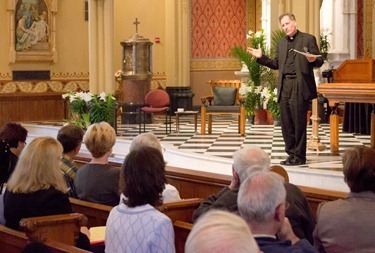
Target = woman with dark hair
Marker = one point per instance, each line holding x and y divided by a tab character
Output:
136	225
12	141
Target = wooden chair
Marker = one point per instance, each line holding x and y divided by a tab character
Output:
281	171
225	103
62	228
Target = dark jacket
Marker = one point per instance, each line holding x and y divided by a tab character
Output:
299	213
304	68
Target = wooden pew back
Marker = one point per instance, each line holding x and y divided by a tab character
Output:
181	210
62	228
200	184
13	241
181	233
96	214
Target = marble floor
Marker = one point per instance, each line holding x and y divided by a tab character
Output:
225	140
212	153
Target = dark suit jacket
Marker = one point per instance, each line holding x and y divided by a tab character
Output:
299	213
304	68
269	245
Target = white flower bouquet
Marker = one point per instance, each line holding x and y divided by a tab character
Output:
87	108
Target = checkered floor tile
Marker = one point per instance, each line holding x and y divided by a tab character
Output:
225	139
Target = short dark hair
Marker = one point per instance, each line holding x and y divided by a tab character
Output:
290	15
359	168
12	133
143	177
70	136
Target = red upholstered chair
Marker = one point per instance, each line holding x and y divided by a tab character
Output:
156	101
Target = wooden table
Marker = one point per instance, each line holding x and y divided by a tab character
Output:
195	113
347	92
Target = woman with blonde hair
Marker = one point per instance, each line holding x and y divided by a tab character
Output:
37	186
97	181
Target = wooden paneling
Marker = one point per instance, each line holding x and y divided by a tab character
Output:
23	107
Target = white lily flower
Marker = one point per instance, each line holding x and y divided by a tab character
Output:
102	96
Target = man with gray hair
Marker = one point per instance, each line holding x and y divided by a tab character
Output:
247	161
262	204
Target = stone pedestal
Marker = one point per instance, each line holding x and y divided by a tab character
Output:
133	95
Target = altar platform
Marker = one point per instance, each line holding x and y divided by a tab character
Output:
212	153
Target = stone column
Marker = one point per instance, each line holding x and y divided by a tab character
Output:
178	42
101	46
339	17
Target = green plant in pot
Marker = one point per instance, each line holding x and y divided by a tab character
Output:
87	108
324	44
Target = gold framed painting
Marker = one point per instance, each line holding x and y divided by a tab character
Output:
32	30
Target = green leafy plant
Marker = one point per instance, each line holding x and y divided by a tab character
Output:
272	105
253	96
255	69
324	43
87	108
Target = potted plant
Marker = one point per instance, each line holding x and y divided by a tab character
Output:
253	98
87	108
324	44
273	106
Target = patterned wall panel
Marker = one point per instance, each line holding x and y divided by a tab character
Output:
217	26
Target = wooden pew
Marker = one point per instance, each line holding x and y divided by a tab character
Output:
200	184
181	233
96	214
181	210
13	241
64	228
316	196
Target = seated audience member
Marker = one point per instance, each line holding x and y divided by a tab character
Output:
262	204
142	180
37	187
347	225
70	137
170	192
97	181
219	231
12	141
246	161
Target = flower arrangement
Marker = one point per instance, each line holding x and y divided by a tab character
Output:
87	108
253	96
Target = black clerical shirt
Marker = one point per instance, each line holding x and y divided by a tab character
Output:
289	68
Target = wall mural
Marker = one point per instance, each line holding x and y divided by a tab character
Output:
33	31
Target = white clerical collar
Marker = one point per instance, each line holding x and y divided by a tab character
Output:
264	235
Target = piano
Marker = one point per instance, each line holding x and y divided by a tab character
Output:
354	81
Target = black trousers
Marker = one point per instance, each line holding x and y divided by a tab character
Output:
293	110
